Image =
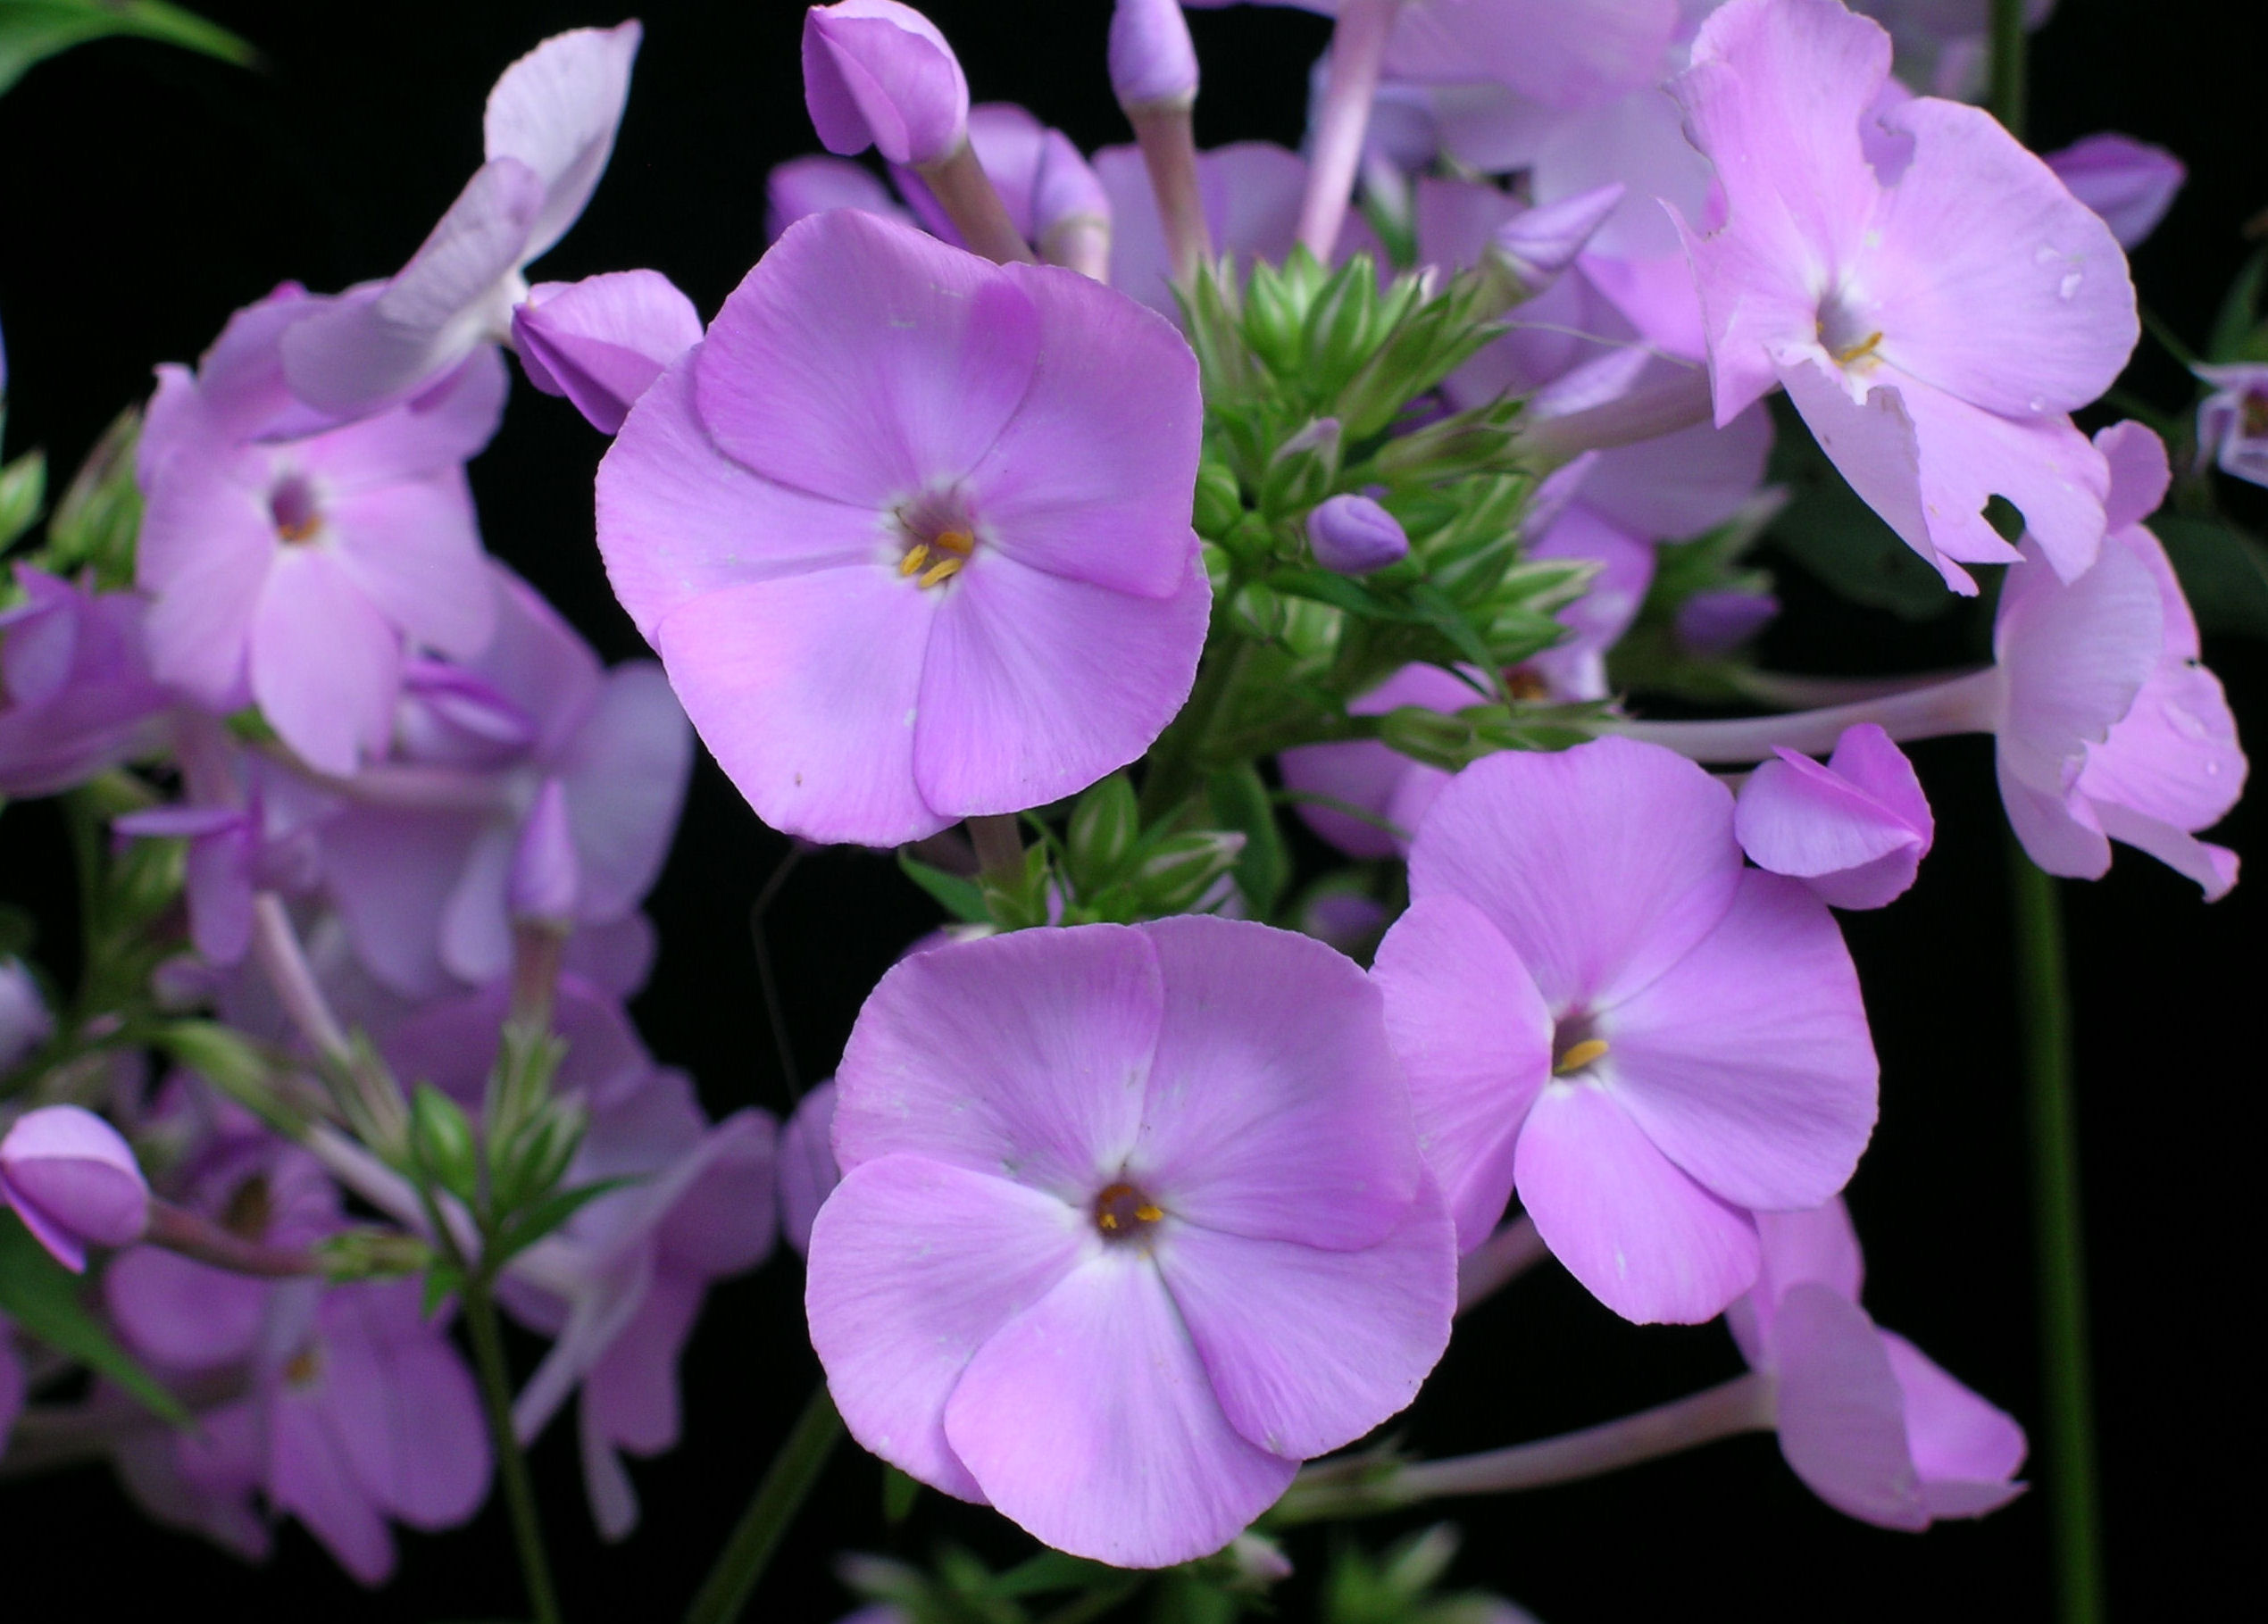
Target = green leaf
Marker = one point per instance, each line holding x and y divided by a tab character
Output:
1828	528
32	31
963	899
42	1296
2238	334
899	1492
547	1214
1240	801
2223	572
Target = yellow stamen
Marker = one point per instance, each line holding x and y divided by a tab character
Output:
944	570
959	542
915	556
1864	347
1580	1055
300	530
1108	1220
1149	1214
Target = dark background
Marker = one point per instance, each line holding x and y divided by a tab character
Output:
145	193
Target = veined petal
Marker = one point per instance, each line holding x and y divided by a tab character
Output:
556	109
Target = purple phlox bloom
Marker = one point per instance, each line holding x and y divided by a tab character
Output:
425	889
1250	190
1866	1420
621	1284
1945	46
1854	830
1350	919
1575	668
879	74
603	341
452	1042
2109	728
1132	1222
818	182
2130	183
1390	789
25	1021
548	130
911	532
237	391
807	1172
77	694
1936	333
295	573
1537	244
1354	535
1596	1003
1044	182
361	1412
2232	422
73	1180
250	826
1713	622
1153	62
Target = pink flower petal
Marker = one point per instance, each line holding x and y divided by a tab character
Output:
325	665
1966	1451
556	109
1842	1423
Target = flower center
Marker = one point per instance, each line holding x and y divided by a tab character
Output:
249	1209
2253	414
1123	1210
938	559
303	1366
1844	334
1575	1047
292	509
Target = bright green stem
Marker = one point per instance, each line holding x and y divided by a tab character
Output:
2008	92
2043	1003
511	1465
793	1471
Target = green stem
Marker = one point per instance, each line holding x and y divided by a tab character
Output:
1173	767
511	1465
793	1473
2044	1018
2008	96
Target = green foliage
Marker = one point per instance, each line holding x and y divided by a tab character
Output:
2223	570
44	1298
23	494
1400	1586
1648	658
2240	330
95	524
32	31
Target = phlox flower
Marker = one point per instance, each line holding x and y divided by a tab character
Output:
1388	789
295	573
603	341
807	1172
1250	191
911	531
77	694
548	130
1935	328
2232	420
1853	829
1132	1221
2130	183
1869	1423
1596	1003
72	1180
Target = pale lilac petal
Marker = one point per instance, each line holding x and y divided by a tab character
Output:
1475	1042
2141	475
207	545
1967	1451
1363	774
2174	756
391	876
1855	829
1642	1238
603	341
403	1406
2058	831
185	1314
1643	837
820	181
1036	685
1090	477
443	428
556	109
631	1393
476	923
325	666
2056	479
863	360
1842	1423
879	73
1564	52
2010	294
1024	1056
362	353
1748	1064
806	689
1307	1349
677	518
1098	1382
2130	183
613	1502
625	773
2075	656
414	549
807	1172
726	1217
309	1475
2213	866
1679	485
1818	1247
1275	1108
915	1266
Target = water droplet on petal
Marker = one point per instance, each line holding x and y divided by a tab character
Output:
2069	285
2044	253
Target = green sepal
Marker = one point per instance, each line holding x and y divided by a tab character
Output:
961	898
1240	801
43	1297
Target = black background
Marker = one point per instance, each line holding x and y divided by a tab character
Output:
145	193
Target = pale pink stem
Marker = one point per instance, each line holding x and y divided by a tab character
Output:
1170	154
1357	48
1972	704
1081	244
1791	692
1502	1257
195	1235
1681	402
276	945
966	194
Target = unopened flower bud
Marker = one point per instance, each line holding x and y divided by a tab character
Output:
546	874
74	1182
603	341
879	74
1153	63
1535	246
1354	535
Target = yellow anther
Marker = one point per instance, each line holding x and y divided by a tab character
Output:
944	570
1863	348
1580	1055
299	530
1149	1214
913	560
1108	1220
959	542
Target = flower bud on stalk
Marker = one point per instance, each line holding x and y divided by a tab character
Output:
879	74
74	1182
1153	72
1354	535
1534	248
